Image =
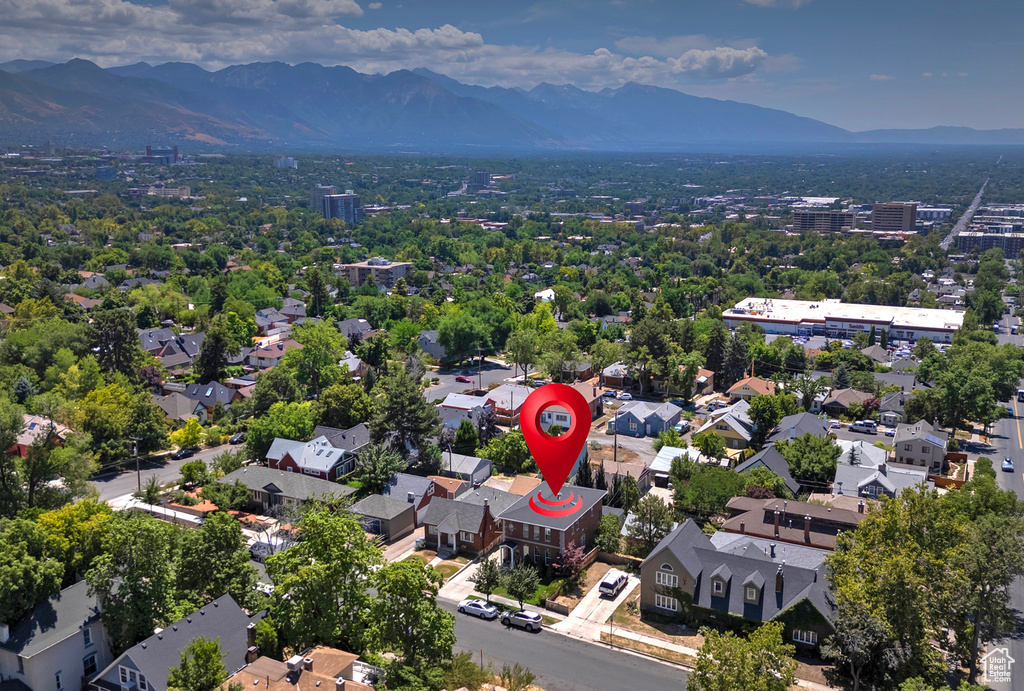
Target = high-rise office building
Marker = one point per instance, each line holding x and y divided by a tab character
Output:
285	162
344	206
823	221
893	217
317	194
162	154
483	178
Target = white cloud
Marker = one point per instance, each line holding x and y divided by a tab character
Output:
375	5
217	33
926	74
881	78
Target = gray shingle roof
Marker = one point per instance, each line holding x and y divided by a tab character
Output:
770	458
401	484
61	616
317	454
285	484
378	506
798	425
209	394
922	431
521	511
459	515
159	653
497	500
351	439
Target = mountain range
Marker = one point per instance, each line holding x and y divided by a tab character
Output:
309	106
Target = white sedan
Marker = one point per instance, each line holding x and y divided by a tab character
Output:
478	608
623	396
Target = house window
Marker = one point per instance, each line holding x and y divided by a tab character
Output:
583	540
669	580
431	530
908	447
925	449
87	635
465	536
669	603
21	664
511	527
632	427
89	665
536	532
547	535
526	552
752	594
807	637
724	428
124	675
718	587
60	682
667	567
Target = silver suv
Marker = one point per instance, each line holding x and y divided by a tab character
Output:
523	619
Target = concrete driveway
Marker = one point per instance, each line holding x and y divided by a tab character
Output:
590	616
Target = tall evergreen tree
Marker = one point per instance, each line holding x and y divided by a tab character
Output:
883	340
872	336
404	415
600	482
212	361
841	378
585	474
735	360
715	349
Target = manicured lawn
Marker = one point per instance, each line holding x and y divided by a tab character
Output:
543	592
447	568
663	653
423	559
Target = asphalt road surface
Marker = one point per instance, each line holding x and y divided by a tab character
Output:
562	663
491	373
1008	442
961	224
115	484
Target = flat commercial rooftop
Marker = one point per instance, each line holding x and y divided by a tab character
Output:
797	311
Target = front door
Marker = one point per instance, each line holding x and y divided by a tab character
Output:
451	540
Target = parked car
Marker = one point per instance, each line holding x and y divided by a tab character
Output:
613	583
610	393
237	438
183	453
463	379
834	424
523	619
624	396
891	432
682	427
865	426
1007	465
478	608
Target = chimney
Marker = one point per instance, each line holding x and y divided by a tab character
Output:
307	664
807	528
743	526
776	523
250	654
860	506
339	685
410	497
250	635
792	433
486	503
5	633
779	580
772	546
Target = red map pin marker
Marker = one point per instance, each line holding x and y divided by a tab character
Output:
555	456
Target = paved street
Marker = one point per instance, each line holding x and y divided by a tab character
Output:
1008	442
562	663
116	484
961	224
493	372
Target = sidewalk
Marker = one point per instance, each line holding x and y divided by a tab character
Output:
460	587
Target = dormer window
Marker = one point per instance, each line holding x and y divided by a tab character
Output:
718	587
752	594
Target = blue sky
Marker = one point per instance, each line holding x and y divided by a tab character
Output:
859	64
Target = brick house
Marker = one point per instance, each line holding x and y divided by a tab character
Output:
318	458
459	526
533	537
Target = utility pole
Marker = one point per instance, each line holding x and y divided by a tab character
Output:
135	451
615	447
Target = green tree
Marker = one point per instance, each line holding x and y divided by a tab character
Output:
652	521
316	363
515	677
761	662
872	337
629	493
266	638
377	463
765	412
194	473
53	475
585	474
736	360
524	348
284	420
683	370
859	645
215	560
509	451
488	577
465	438
276	385
188	437
27	575
321	581
115	341
227	497
669	438
228	461
522	582
716	348
201	668
810	457
841	378
463	673
568	564
709	444
404	415
74	535
462	334
134	577
343	406
218	346
608	538
407	601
